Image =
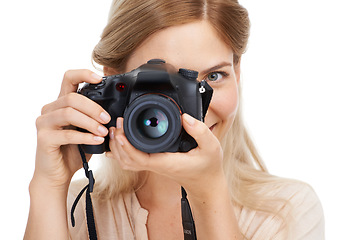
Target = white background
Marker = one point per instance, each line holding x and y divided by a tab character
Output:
294	77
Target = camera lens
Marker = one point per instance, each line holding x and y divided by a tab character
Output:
153	123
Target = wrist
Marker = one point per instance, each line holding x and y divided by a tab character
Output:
48	211
212	190
41	186
213	212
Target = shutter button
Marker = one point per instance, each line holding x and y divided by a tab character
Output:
97	86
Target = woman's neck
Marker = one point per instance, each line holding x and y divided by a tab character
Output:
158	192
161	196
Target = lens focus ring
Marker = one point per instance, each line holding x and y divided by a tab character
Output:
152	123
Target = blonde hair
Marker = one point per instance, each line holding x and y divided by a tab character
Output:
133	21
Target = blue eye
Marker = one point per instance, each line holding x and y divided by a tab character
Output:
215	76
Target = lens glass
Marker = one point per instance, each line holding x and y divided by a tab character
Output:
152	123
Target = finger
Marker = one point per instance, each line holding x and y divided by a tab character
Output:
130	158
69	116
59	138
133	159
113	142
80	103
199	131
117	152
109	155
73	78
113	131
125	159
136	160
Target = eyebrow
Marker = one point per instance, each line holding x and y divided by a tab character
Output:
212	69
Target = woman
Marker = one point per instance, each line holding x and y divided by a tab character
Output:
137	195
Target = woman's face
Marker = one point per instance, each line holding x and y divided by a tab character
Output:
197	46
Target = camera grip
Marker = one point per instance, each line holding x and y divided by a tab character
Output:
94	149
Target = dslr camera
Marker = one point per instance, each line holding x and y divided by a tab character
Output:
151	99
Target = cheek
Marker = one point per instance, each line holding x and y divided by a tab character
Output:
225	102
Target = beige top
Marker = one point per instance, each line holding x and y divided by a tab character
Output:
124	218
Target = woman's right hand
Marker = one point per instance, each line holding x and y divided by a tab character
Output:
57	155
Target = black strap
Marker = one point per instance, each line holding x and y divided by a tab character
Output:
89	207
186	213
188	223
90	217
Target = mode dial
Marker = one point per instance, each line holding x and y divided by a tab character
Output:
156	61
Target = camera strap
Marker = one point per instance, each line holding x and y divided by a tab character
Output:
188	223
186	213
89	207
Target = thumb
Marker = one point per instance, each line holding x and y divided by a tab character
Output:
198	130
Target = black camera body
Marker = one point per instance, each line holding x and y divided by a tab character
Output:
151	99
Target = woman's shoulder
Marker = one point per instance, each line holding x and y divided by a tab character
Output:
295	191
289	209
305	210
300	206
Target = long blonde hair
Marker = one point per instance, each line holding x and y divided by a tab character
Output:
133	21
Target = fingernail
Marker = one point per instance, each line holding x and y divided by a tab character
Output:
112	134
96	76
102	130
119	141
119	123
190	120
108	154
98	139
105	117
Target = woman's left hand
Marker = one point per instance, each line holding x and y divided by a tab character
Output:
199	171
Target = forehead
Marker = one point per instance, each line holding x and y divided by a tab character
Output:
195	46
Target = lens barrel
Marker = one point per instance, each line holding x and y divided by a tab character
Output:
152	123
